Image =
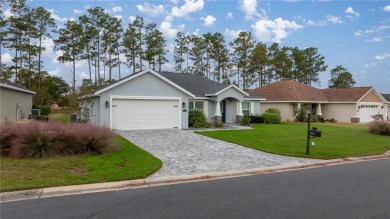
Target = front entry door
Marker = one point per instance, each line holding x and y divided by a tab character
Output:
223	111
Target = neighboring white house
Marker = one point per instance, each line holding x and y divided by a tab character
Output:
357	104
15	101
151	100
387	97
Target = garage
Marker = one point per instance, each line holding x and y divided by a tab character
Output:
368	110
130	114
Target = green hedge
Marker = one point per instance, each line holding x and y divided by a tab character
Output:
256	119
45	110
272	118
197	119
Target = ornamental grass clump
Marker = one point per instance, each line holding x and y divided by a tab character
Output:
48	139
379	127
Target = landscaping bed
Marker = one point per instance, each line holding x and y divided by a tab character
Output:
337	141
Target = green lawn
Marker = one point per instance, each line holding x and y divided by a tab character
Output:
130	162
59	117
337	141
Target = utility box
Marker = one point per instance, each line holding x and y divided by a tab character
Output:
314	132
73	117
35	113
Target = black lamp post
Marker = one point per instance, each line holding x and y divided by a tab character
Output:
308	130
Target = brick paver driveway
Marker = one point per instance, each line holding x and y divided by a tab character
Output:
185	153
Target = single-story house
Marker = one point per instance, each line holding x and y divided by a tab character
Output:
356	105
155	100
15	101
387	97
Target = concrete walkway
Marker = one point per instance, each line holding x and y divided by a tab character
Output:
186	153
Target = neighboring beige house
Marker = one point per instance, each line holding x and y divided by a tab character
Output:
15	101
356	105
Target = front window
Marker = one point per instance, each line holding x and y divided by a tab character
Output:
246	108
196	105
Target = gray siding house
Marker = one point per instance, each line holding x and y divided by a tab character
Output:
152	100
15	101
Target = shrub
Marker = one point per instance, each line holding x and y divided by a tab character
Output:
245	121
45	110
196	118
273	110
42	118
332	120
218	124
256	119
272	118
301	116
379	127
47	139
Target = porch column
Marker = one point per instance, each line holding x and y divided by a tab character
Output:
217	114
299	106
239	115
319	109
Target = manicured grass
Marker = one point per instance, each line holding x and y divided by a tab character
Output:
337	141
130	162
59	117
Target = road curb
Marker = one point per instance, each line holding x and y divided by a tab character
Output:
148	182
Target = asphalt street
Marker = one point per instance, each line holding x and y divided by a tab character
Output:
357	190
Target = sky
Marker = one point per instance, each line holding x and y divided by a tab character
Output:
354	33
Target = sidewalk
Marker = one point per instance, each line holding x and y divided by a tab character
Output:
141	183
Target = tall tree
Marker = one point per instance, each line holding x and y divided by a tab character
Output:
130	44
220	54
70	43
111	41
340	78
139	26
181	50
242	48
44	23
259	63
314	64
196	53
3	23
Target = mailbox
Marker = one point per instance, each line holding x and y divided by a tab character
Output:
314	132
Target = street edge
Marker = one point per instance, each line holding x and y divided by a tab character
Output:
149	182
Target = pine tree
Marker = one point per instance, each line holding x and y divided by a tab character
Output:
340	78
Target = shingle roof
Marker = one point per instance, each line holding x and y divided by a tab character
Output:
8	84
197	85
386	96
289	90
352	94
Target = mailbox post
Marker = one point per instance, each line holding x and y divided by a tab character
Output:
308	130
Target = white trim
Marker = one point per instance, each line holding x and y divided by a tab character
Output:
16	88
120	97
199	98
142	73
252	110
227	88
376	93
253	99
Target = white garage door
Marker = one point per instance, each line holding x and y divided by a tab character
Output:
145	114
367	110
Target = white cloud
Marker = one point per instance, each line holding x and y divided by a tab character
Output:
119	17
56	17
316	23
175	2
334	19
77	11
132	18
116	9
48	44
6	58
232	33
249	8
374	40
7	13
350	11
370	65
387	8
208	21
229	15
274	30
167	29
189	6
383	56
196	32
55	72
151	10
